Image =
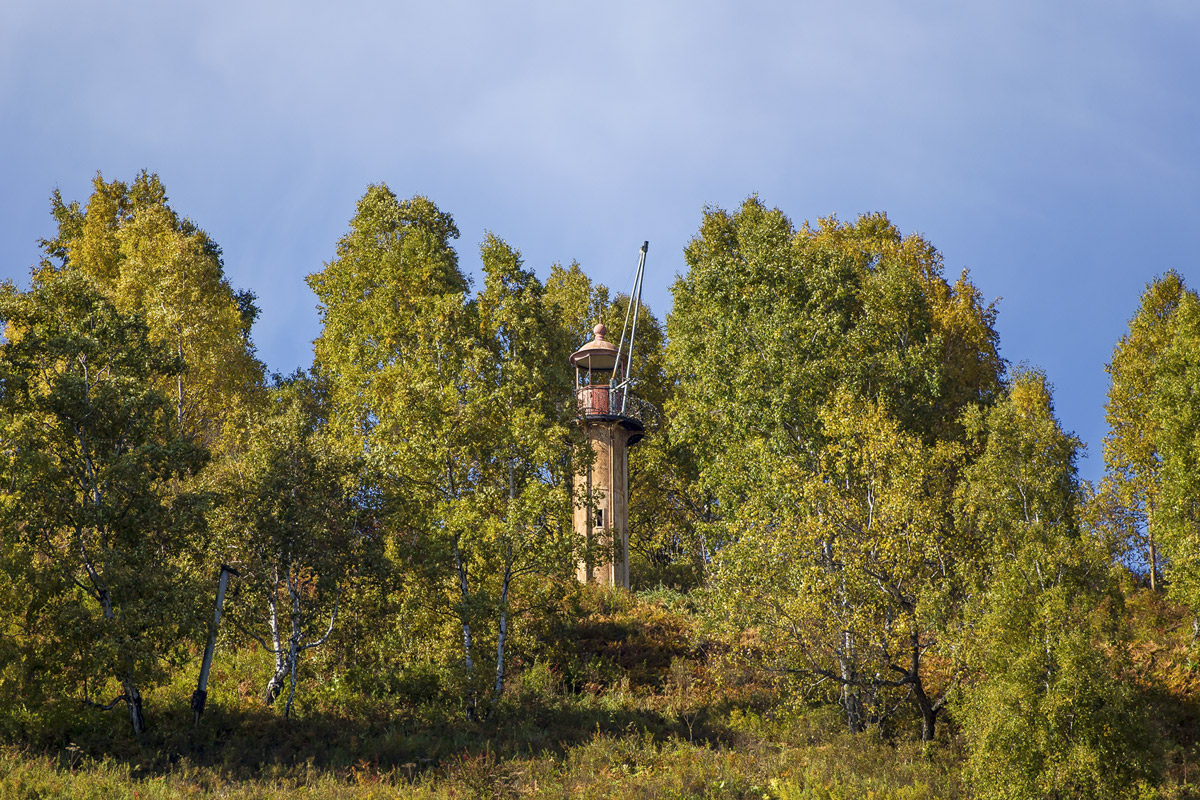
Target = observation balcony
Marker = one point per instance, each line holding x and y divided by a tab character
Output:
603	403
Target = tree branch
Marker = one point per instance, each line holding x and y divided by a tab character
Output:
122	698
329	630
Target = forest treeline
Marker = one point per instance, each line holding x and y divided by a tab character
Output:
849	489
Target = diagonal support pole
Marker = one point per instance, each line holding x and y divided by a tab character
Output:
201	693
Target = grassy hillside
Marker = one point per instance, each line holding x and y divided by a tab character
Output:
629	700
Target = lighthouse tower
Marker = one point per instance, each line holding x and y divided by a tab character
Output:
614	421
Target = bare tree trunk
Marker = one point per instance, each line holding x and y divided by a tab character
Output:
928	712
282	667
851	692
275	685
179	383
503	635
293	640
133	700
1152	545
927	708
468	657
1153	563
464	589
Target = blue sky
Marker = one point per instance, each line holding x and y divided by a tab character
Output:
1050	148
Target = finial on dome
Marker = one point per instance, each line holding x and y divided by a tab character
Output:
600	330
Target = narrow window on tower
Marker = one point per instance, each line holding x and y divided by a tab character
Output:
599	517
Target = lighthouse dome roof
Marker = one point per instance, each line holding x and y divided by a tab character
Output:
598	353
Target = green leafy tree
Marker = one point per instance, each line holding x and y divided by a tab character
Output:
769	319
578	304
290	519
671	515
150	261
92	457
513	510
460	406
1174	416
391	305
390	352
1051	712
780	336
1132	449
844	571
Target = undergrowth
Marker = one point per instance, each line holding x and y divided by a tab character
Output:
625	700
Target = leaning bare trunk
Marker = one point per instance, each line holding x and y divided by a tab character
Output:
283	669
927	708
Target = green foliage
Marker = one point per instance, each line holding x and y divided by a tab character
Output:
1132	448
577	303
601	638
98	539
1176	414
874	518
627	739
768	320
149	261
832	364
459	407
1149	492
1051	712
289	519
849	580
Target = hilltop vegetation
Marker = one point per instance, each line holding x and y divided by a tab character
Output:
865	563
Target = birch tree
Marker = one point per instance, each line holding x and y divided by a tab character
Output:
148	260
517	511
1050	710
92	463
848	573
392	352
290	519
1175	416
779	339
459	406
1133	446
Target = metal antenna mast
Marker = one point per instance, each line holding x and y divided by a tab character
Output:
635	305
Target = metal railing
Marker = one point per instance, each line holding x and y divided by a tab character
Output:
606	401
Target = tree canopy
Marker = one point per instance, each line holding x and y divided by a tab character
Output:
846	503
91	448
150	261
834	363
